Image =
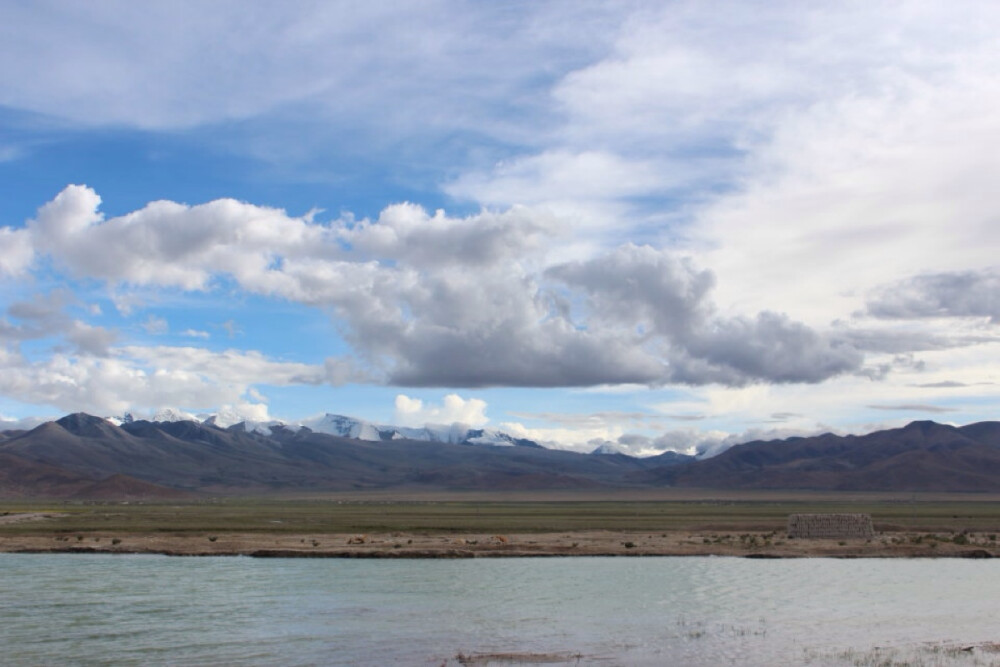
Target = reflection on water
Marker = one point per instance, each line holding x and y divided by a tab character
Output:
99	609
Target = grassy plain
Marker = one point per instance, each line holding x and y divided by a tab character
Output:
523	513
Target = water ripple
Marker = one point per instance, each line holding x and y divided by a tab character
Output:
153	610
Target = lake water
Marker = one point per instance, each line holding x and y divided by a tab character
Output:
149	610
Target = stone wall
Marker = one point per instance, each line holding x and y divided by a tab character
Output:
830	526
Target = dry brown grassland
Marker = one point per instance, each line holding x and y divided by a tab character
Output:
666	522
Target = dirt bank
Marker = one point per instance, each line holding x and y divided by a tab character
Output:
583	543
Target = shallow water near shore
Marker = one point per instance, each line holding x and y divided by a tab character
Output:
142	610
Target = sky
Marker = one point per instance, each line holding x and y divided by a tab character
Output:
664	225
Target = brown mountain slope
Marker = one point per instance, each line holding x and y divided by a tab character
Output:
21	478
196	457
123	487
922	456
192	456
70	456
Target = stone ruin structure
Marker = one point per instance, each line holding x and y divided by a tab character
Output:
831	526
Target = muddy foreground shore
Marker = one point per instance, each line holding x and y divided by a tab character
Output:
471	545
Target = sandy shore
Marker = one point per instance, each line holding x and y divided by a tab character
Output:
584	543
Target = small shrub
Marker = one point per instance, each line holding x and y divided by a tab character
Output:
212	538
315	543
79	538
116	541
960	539
628	545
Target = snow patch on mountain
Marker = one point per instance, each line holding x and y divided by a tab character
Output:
346	427
609	449
162	415
455	434
262	427
173	415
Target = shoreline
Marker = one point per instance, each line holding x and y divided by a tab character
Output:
763	545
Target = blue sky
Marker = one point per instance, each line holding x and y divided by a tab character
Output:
660	224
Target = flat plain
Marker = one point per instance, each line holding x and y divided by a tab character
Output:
665	522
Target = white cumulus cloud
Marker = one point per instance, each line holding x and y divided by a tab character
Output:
453	409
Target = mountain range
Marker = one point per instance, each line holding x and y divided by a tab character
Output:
357	429
921	456
83	456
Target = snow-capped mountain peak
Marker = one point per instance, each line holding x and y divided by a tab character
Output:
172	415
608	449
345	427
456	434
161	415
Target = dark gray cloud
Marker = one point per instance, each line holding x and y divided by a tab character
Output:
882	370
902	342
911	407
643	288
659	298
770	347
633	315
511	355
958	294
688	418
45	316
951	384
432	324
87	339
